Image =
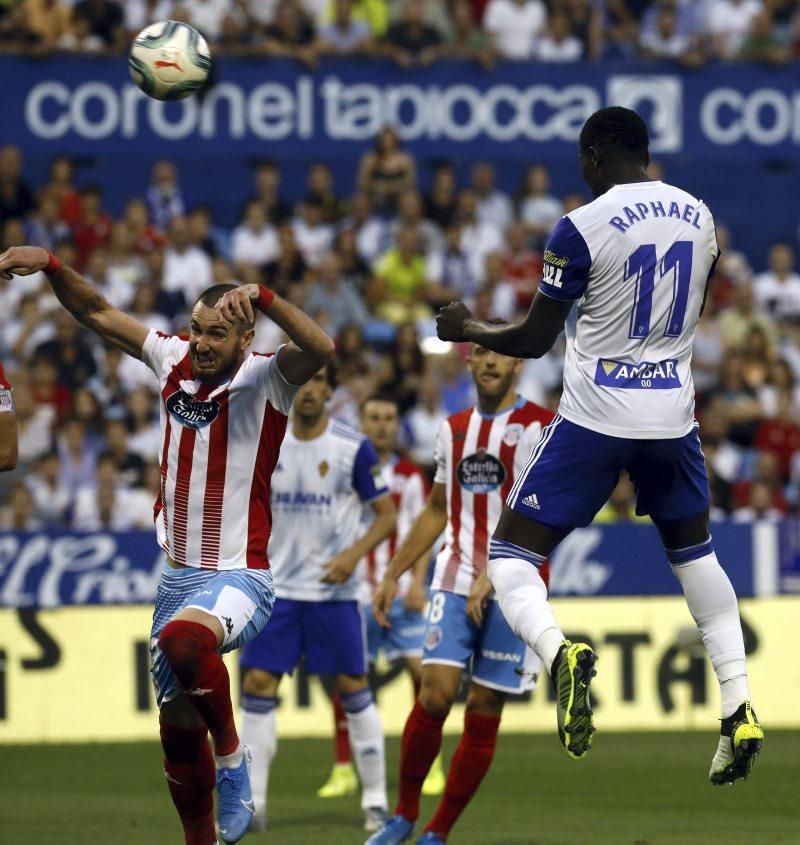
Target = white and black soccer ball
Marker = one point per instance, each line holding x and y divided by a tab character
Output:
169	60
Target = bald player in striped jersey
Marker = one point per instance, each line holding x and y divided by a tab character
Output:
479	453
223	417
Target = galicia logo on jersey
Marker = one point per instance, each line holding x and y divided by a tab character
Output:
191	412
662	375
481	472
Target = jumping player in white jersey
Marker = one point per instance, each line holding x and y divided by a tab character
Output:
223	416
327	473
479	453
380	421
628	273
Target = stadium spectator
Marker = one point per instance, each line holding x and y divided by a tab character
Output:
352	353
344	35
105	20
87	409
35	421
48	20
45	386
441	204
522	265
494	206
116	290
69	351
621	26
759	507
144	307
290	34
77	457
467	40
410	40
129	465
44	226
371	231
51	499
145	437
92	227
165	199
501	301
538	209
331	301
16	198
107	505
456	384
290	267
778	288
208	16
386	171
666	42
267	179
586	23
403	367
727	22
15	34
516	26
736	321
125	268
478	239
25	329
144	236
762	45
401	274
213	240
313	235
320	185
20	513
61	189
141	13
449	269
741	403
80	38
352	267
558	44
254	240
187	269
780	434
410	216
422	422
708	350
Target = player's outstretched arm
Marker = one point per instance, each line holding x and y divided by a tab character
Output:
85	304
309	348
532	337
421	536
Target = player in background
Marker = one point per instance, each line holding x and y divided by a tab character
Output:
326	475
628	273
8	425
479	453
380	421
223	416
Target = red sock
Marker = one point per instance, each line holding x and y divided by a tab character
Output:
341	734
191	651
422	739
190	772
470	763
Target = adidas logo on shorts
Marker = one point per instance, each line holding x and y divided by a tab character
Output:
532	501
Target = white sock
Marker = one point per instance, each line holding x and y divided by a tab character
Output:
712	603
258	731
523	599
367	744
232	760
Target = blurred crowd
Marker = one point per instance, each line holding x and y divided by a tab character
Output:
372	268
414	32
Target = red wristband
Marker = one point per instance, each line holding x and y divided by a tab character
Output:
53	264
265	298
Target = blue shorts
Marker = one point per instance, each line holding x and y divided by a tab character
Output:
241	599
573	470
329	634
491	653
403	639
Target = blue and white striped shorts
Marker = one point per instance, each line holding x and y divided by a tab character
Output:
241	599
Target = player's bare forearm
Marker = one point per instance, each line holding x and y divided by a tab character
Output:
310	348
423	533
383	524
86	304
531	337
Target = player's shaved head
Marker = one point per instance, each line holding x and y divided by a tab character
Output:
217	346
617	131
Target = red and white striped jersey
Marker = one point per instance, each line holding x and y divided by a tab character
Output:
409	489
220	446
6	397
478	458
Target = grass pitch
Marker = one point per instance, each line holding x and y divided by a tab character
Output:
641	789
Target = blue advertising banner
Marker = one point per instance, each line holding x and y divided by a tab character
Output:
54	569
444	109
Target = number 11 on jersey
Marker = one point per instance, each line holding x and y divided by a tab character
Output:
677	262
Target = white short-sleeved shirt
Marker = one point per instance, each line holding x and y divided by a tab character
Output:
636	261
220	445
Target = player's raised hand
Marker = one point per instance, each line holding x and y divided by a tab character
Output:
340	568
478	596
450	322
237	305
382	603
23	260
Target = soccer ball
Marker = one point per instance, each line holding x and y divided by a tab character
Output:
169	60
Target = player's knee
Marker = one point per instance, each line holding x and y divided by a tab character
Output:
435	700
184	645
260	683
485	701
